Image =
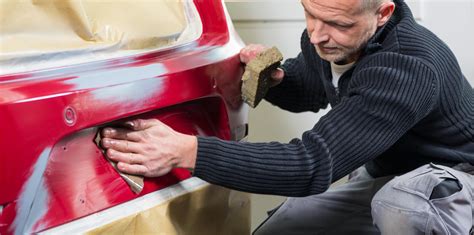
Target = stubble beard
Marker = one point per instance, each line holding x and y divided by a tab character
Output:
344	55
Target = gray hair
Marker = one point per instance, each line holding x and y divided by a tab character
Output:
368	5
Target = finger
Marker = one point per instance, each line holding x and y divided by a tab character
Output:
130	158
251	51
142	124
255	47
244	55
132	168
120	133
255	51
278	74
123	146
248	48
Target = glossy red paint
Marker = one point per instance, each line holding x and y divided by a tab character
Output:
194	88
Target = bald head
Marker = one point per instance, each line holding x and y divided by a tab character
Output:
339	30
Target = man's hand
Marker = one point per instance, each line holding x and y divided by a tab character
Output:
251	51
149	148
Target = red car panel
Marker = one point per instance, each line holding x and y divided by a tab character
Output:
52	172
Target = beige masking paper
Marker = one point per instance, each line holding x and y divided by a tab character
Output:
42	26
211	210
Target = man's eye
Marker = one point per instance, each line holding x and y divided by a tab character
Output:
341	26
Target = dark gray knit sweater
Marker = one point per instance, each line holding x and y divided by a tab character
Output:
405	103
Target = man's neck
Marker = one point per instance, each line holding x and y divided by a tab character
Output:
348	60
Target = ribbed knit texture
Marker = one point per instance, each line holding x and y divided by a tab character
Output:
405	103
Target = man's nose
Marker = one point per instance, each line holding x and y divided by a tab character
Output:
319	33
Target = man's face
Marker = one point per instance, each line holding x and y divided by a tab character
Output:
339	29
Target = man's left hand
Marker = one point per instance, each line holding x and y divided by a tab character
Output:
149	148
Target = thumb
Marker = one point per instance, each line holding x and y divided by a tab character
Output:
142	124
277	76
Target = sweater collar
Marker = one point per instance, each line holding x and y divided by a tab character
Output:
402	11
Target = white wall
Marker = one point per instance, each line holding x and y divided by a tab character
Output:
453	21
280	23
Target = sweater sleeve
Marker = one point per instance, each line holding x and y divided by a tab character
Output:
387	97
302	88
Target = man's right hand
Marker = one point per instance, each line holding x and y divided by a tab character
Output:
251	51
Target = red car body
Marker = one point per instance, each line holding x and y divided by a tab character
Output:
51	171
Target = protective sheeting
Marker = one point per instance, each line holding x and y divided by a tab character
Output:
34	32
209	210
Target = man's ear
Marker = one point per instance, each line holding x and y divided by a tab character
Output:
385	12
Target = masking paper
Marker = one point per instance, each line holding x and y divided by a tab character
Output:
37	34
209	210
52	25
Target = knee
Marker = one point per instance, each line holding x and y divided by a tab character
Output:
394	209
413	203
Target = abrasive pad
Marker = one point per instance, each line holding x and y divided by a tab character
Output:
257	75
134	181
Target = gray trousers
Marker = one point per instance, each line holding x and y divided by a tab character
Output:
432	199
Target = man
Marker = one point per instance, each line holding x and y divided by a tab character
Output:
400	107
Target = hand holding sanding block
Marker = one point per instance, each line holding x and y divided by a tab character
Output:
134	181
257	76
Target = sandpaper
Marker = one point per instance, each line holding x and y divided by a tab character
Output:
134	181
257	76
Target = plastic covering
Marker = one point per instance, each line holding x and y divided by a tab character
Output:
35	33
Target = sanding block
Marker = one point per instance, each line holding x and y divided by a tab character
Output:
134	181
257	76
